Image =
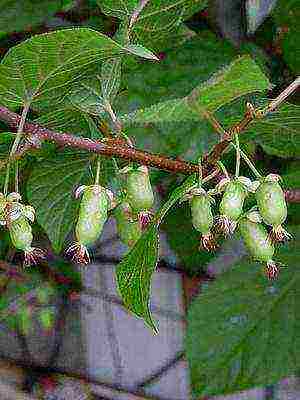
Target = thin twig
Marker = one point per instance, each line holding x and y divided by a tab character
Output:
282	96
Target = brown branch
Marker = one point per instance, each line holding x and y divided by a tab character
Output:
250	115
292	195
106	147
117	147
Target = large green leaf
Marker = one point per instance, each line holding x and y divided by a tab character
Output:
135	271
174	77
16	15
241	77
134	275
69	119
157	21
43	69
50	189
278	133
243	329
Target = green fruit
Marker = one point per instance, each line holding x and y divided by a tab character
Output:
139	191
129	230
21	234
271	203
202	217
256	240
92	214
47	318
233	200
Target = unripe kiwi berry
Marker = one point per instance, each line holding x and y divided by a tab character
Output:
129	230
93	213
21	236
139	191
231	206
272	206
202	219
258	244
233	200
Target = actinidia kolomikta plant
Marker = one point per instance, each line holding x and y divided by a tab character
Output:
139	193
272	206
258	243
93	212
231	206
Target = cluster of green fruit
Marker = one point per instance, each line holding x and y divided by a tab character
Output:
16	217
270	209
132	212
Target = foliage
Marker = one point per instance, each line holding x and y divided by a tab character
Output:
242	319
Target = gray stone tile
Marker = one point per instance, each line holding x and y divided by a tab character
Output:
174	384
166	290
98	355
139	351
288	389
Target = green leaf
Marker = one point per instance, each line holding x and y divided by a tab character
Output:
18	15
278	133
69	119
111	78
157	21
176	110
43	69
172	79
141	51
241	77
87	97
135	271
134	276
50	189
242	329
